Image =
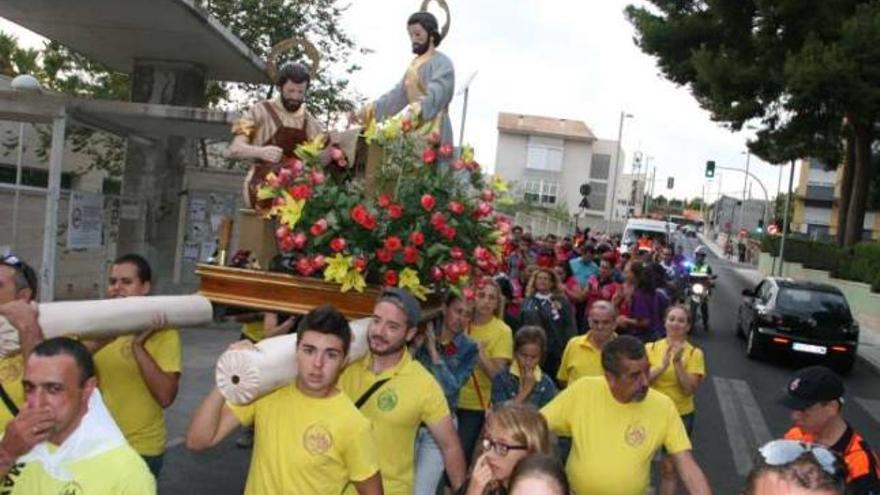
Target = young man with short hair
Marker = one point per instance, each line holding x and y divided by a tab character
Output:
398	394
138	374
309	437
64	440
617	424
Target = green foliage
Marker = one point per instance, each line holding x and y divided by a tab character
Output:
860	263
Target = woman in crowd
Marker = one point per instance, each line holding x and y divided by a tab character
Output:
677	368
450	355
641	306
547	306
512	433
524	382
601	287
539	474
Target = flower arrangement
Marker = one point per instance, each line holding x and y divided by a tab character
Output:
426	221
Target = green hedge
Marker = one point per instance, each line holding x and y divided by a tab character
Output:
860	264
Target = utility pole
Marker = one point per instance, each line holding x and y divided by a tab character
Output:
785	219
464	89
615	170
745	187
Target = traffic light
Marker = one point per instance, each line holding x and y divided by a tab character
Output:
670	182
710	169
585	191
760	225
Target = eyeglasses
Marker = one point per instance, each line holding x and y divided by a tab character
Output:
500	448
783	452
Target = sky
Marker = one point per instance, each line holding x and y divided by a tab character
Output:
572	59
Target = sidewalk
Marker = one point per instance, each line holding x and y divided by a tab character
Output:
869	336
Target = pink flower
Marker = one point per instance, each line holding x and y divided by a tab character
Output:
395	211
410	255
318	228
429	156
417	238
393	243
384	200
446	150
455	207
337	244
428	202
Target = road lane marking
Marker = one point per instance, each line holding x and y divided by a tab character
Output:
174	442
871	406
745	425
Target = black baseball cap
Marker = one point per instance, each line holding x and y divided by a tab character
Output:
405	301
811	385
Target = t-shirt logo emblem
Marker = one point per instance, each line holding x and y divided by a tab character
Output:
635	435
10	372
71	488
317	440
387	400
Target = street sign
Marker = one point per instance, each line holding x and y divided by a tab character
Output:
670	182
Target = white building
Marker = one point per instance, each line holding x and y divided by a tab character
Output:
630	199
548	160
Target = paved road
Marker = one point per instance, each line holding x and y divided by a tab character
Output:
736	408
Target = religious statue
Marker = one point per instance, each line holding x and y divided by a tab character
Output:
429	81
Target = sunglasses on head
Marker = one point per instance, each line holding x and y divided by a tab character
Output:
12	260
781	453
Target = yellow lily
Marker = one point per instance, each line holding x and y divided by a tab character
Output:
337	268
312	148
353	280
409	279
498	184
290	212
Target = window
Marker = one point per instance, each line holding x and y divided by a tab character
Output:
545	154
820	193
541	192
598	191
32	177
600	166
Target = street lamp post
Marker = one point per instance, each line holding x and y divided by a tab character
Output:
23	83
464	89
742	207
623	115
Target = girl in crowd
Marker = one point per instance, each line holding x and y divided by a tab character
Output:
512	432
677	368
640	305
547	306
539	474
450	356
524	382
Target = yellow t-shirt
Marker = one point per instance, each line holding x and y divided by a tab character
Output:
499	345
412	396
11	372
125	392
306	444
613	443
667	383
119	471
254	330
580	358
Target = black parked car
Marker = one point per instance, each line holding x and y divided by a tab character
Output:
785	316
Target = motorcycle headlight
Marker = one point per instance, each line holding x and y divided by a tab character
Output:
698	289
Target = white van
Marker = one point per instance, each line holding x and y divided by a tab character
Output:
635	227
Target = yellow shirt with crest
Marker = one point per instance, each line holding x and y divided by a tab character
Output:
498	339
11	373
580	358
667	383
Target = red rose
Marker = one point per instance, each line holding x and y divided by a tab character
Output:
484	209
301	191
295	165
469	293
384	255
360	263
337	244
429	156
286	243
319	262
410	255
437	273
458	165
449	232
428	202
481	253
438	221
446	149
487	195
359	214
456	253
393	243
384	200
462	267
406	125
369	223
281	232
395	211
317	177
285	177
318	228
390	278
304	267
434	137
417	238
455	207
299	240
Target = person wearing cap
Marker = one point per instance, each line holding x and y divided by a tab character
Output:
18	290
815	397
398	394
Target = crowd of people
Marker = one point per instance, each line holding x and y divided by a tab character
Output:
571	372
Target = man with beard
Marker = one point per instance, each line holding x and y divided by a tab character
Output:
617	423
398	394
270	131
428	84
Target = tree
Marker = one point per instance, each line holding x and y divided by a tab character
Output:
260	24
695	204
805	70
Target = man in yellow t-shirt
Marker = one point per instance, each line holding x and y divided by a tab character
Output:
139	374
64	440
617	424
398	394
18	289
495	340
309	438
583	354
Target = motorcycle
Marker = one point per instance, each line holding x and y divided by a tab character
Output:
698	292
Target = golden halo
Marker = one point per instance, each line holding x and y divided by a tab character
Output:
310	51
442	4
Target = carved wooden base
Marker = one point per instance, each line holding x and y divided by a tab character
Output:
281	292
